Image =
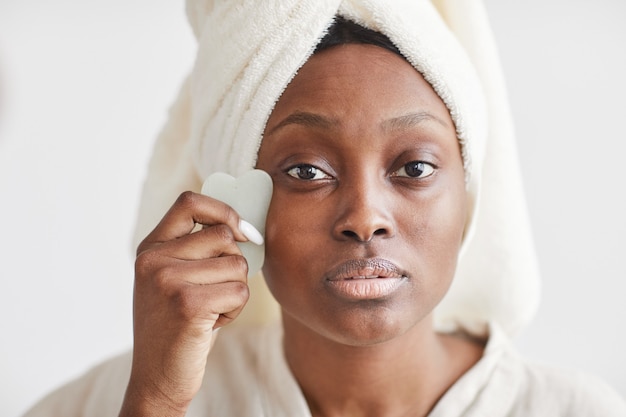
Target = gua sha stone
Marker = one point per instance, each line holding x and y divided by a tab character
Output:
250	196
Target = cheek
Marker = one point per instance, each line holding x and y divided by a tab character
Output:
289	239
447	227
274	243
447	223
434	232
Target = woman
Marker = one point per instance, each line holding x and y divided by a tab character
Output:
373	148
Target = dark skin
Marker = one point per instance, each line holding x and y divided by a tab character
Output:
363	232
365	119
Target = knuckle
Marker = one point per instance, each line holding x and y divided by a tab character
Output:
241	291
223	233
238	263
188	304
186	200
146	245
163	277
229	215
194	306
141	247
145	263
150	272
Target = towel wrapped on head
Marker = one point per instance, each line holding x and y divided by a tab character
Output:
248	52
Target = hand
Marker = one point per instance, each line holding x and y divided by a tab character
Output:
186	286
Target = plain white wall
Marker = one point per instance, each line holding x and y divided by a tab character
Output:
85	86
565	63
85	89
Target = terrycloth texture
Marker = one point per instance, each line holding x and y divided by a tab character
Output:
248	51
247	376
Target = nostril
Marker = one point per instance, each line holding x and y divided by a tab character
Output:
366	237
350	234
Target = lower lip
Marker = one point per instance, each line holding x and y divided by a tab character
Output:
366	289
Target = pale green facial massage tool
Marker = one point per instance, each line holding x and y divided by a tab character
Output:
250	196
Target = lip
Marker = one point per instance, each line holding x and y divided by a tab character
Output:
365	279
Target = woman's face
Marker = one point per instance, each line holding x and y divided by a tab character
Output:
369	202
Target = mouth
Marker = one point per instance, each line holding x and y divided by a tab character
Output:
365	269
359	279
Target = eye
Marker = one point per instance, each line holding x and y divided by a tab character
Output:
415	169
307	172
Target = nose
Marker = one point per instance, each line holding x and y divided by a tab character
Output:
364	211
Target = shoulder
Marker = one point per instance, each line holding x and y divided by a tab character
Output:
567	392
99	392
243	360
539	389
503	383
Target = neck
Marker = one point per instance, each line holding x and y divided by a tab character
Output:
403	376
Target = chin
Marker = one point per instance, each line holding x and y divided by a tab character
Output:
368	324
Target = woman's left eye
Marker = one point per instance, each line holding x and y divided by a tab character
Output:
307	172
415	169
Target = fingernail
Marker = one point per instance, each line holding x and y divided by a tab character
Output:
250	232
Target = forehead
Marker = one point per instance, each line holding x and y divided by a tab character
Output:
355	79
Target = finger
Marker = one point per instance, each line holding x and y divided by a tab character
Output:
191	209
219	303
209	242
169	275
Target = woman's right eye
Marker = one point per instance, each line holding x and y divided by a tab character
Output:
307	172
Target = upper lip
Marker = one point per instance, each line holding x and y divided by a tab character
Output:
365	268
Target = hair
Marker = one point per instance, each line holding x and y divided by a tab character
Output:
344	31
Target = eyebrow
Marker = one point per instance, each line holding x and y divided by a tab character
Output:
410	120
315	120
306	119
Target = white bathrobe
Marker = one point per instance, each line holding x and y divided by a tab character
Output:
247	376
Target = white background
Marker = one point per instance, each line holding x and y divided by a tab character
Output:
84	89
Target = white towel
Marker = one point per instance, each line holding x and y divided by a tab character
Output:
248	51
